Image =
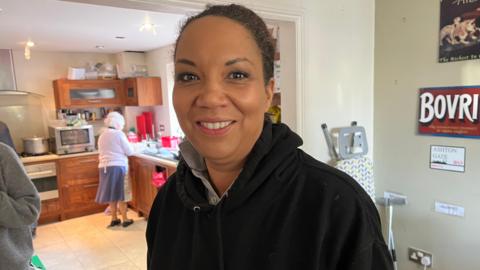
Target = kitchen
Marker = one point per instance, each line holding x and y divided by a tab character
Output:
54	88
65	174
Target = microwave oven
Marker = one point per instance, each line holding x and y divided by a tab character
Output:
69	140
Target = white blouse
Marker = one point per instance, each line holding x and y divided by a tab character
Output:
113	148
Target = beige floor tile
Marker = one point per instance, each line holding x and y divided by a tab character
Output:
123	266
86	244
90	244
71	265
78	227
47	235
102	259
141	263
56	254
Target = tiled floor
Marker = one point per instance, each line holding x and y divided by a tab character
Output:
85	243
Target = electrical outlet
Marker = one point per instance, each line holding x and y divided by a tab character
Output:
416	255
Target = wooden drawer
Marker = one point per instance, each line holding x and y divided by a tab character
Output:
79	171
79	196
90	161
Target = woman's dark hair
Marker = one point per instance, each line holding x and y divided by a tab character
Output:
248	19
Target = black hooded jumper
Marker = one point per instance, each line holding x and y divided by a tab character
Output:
286	210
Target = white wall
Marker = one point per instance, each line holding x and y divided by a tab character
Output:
157	62
339	40
406	48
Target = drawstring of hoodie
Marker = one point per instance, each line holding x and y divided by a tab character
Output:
221	262
196	240
218	218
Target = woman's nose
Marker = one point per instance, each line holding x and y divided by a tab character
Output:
212	95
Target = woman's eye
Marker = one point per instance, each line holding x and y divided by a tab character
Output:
238	75
186	77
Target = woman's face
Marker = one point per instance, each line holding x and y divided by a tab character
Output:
220	96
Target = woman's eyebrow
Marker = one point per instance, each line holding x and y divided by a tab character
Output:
186	62
236	60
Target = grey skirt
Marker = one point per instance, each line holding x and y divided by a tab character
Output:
112	184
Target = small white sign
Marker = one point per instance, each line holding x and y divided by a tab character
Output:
447	158
449	209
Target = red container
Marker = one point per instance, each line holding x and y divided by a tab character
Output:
148	124
142	132
159	179
170	141
132	137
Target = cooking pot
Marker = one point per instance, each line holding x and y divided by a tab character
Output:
35	145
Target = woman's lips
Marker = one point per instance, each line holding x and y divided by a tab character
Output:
216	128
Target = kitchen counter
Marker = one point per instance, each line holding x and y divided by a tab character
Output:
51	157
162	161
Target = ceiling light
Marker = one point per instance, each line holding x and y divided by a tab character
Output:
27	53
28	45
119	37
148	26
100	47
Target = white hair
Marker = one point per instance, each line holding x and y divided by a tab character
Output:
115	120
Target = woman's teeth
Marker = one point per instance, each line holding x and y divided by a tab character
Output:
215	125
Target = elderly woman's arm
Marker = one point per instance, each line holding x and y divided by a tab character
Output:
126	146
19	199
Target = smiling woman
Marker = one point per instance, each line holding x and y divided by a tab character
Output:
220	95
244	196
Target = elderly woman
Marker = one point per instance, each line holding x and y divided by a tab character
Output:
114	149
244	196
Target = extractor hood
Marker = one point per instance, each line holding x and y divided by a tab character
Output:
8	83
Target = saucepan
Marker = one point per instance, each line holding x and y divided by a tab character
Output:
35	145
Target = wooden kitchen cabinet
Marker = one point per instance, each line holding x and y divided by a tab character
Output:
143	91
78	180
88	93
143	191
50	211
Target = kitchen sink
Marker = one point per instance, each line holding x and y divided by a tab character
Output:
162	153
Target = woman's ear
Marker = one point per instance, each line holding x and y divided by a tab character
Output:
269	93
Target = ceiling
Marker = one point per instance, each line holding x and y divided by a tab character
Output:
77	27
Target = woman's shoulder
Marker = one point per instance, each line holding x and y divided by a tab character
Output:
324	174
338	191
334	184
111	133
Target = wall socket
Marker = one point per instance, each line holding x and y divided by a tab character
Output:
416	255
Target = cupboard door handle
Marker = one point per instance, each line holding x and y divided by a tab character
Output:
89	186
94	101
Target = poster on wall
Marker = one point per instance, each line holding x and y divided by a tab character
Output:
449	111
447	158
459	30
